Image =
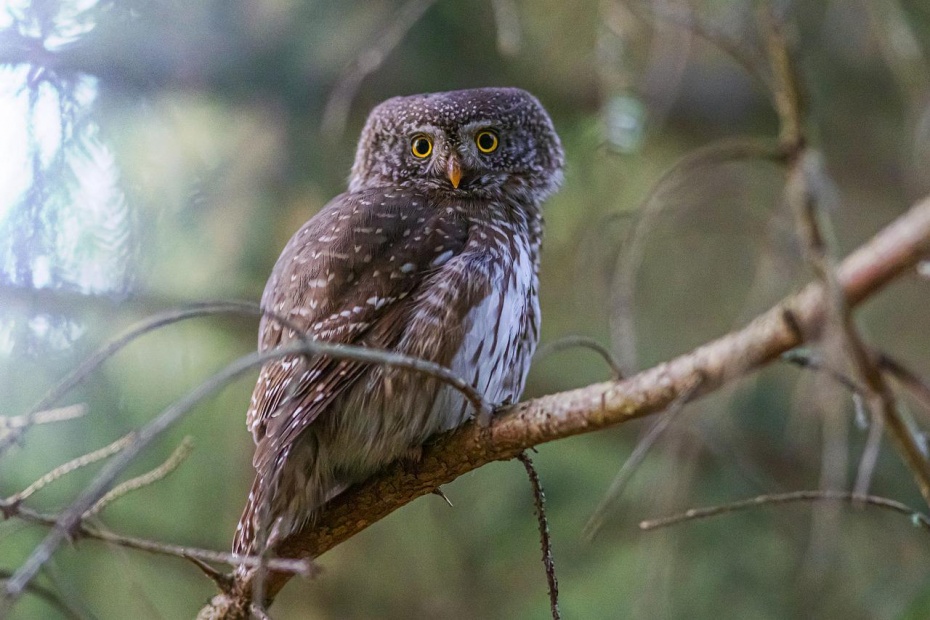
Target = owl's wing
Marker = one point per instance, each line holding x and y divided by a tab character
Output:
346	277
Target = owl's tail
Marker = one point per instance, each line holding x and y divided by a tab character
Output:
244	539
280	504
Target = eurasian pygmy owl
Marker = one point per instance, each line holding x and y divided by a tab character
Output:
433	252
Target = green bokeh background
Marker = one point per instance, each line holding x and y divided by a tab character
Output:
213	113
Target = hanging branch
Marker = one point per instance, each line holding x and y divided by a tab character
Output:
545	541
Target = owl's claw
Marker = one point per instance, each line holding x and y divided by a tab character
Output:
412	455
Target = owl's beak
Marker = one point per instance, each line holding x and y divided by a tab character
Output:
454	171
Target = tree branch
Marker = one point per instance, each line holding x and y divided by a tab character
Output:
892	252
919	519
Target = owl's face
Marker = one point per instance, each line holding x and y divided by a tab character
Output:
495	143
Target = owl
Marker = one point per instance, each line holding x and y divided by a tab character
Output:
433	253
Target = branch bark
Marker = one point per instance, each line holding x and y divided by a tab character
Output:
891	253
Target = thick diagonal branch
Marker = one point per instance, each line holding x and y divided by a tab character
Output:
892	252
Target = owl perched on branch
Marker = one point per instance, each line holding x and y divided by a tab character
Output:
433	252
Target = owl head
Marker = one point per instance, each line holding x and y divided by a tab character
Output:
496	143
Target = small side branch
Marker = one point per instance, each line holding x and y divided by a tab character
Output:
629	467
174	461
62	470
301	567
582	342
918	518
539	499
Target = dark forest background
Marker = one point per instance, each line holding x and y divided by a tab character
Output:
155	153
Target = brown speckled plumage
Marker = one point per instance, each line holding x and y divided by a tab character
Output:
404	261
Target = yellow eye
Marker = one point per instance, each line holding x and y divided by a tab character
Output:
421	146
486	141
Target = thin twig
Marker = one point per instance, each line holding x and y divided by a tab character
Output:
913	382
622	303
438	491
806	359
918	518
750	60
368	60
66	468
301	567
539	500
629	467
223	581
59	414
786	91
133	484
869	458
49	596
584	342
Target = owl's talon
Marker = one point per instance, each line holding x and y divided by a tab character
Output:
410	459
412	455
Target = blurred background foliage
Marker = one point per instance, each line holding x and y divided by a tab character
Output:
159	152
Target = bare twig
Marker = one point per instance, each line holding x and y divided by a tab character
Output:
223	581
60	414
584	342
786	91
66	468
622	303
49	596
914	384
596	521
539	500
892	252
918	518
869	456
177	457
806	359
337	107
910	380
27	515
749	59
438	491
